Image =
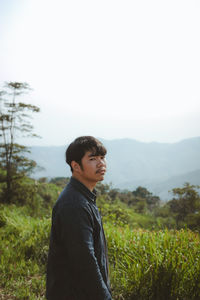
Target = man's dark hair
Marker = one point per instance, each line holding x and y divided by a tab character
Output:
80	146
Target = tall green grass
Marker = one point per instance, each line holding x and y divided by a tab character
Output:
157	265
23	249
144	264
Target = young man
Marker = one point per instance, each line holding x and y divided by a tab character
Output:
77	267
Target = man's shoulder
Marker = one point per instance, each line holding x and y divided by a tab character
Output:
70	206
70	197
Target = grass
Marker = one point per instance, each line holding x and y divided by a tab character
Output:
144	264
154	264
23	248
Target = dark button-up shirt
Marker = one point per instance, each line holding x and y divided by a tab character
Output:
77	267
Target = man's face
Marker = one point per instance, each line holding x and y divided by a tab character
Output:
93	167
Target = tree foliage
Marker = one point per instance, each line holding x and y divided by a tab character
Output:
185	206
148	199
14	122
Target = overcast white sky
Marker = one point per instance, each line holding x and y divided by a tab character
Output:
112	69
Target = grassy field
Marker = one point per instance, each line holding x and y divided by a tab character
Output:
154	264
144	264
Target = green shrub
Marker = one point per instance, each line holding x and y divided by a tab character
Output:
119	214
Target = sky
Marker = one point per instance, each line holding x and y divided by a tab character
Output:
113	69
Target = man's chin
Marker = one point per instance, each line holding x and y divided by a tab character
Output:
100	177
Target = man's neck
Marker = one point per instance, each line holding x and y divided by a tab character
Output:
89	185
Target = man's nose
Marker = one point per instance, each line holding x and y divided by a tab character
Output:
101	161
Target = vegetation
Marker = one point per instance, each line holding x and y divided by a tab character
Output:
146	260
23	253
125	207
155	265
159	264
14	116
185	206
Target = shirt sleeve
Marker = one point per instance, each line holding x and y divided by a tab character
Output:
77	235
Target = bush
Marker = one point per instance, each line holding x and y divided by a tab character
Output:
119	214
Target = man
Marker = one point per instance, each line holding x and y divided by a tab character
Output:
77	267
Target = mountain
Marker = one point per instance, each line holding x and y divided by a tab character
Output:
156	166
163	188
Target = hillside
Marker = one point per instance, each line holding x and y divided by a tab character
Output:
157	166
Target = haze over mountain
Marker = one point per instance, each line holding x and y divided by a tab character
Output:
156	166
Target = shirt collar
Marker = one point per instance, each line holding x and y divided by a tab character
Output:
83	189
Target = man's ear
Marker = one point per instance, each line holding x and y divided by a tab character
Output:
75	166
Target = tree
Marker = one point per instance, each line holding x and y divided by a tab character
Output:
59	181
14	122
185	204
141	194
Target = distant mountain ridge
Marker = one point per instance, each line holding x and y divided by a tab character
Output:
157	166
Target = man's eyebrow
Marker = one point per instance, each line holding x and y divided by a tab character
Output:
92	154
